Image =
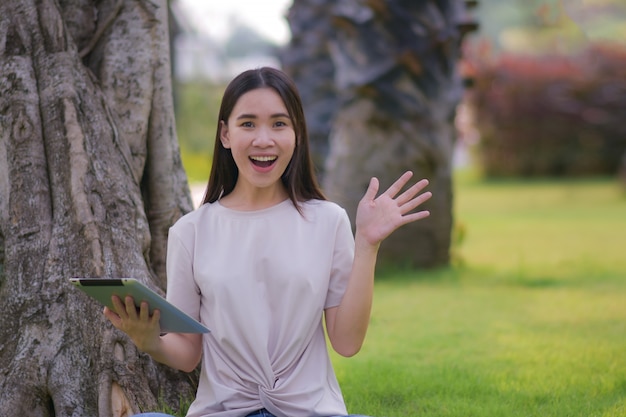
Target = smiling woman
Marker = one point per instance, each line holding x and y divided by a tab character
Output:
267	263
262	108
261	138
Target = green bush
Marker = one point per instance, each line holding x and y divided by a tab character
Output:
551	115
197	107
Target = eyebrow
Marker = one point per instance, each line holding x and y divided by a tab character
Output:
254	116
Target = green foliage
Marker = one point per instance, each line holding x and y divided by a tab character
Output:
180	411
197	165
552	115
540	26
197	107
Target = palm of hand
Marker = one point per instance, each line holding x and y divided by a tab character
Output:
378	217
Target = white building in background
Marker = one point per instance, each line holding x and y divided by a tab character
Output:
197	56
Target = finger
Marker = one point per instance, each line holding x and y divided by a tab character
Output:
144	311
156	316
416	202
398	184
372	190
131	308
118	306
411	217
409	194
111	316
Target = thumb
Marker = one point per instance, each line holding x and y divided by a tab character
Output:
372	190
112	317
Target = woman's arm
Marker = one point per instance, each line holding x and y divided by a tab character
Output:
176	350
377	218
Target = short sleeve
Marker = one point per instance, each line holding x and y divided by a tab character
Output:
343	256
182	290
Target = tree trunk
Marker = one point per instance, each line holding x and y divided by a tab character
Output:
308	61
395	73
90	181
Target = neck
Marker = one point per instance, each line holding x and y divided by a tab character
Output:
258	199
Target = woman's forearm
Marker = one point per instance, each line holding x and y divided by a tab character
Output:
177	350
350	319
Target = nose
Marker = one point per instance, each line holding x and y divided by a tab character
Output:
263	137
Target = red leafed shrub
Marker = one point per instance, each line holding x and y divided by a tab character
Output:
551	115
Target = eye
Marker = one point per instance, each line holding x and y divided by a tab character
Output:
247	124
281	123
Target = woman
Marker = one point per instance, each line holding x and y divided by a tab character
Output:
264	261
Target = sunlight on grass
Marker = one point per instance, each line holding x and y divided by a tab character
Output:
532	324
541	228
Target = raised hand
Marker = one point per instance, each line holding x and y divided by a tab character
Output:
378	217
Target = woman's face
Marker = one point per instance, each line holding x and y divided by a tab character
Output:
261	137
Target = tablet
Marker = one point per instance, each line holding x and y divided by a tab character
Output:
173	320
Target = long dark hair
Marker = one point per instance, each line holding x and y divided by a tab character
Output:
299	176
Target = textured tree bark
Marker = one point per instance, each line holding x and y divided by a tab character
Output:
395	76
90	181
307	59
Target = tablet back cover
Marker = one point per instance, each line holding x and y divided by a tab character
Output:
173	320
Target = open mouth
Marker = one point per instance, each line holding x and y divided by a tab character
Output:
263	161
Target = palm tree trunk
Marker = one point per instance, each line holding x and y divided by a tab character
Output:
394	66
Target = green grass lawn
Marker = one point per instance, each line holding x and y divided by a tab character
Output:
531	321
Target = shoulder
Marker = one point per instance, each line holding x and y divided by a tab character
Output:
189	222
324	210
321	206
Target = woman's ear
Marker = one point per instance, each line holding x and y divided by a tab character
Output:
224	138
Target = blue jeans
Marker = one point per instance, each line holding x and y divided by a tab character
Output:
264	413
261	413
152	415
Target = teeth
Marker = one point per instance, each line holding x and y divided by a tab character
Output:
263	158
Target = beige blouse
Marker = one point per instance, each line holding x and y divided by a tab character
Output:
260	281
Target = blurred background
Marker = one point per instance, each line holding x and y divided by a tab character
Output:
545	81
515	110
519	90
212	41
